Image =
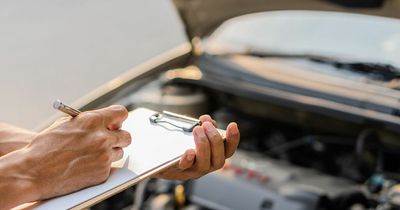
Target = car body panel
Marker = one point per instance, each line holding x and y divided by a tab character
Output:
201	17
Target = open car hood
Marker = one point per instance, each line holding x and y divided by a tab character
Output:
202	16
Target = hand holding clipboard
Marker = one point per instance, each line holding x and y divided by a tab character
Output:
213	146
157	151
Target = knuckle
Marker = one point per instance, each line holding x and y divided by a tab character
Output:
90	119
216	137
211	131
120	109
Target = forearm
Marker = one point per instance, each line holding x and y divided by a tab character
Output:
13	138
16	186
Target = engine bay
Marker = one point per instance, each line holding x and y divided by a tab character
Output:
288	158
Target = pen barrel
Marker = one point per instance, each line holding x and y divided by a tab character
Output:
69	110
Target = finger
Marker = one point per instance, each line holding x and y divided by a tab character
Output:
187	160
207	118
113	116
216	146
202	164
122	138
117	154
232	139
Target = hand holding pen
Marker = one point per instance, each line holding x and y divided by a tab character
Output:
76	153
212	148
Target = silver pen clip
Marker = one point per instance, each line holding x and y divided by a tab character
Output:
165	118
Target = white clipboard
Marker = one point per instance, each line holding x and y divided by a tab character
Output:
158	142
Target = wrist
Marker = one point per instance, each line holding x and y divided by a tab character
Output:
15	141
16	184
29	181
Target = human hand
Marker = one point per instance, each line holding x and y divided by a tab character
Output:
76	152
210	154
13	138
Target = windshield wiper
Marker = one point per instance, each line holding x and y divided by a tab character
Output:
386	72
379	71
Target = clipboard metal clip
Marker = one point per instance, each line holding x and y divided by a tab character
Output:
187	124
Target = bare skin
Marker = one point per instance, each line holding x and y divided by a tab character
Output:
13	138
75	153
210	154
69	155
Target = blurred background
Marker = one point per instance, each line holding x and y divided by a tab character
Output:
66	49
313	84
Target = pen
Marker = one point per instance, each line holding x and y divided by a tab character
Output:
58	104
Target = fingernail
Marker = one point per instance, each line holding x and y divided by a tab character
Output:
235	129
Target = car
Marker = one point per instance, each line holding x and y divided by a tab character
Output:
314	87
